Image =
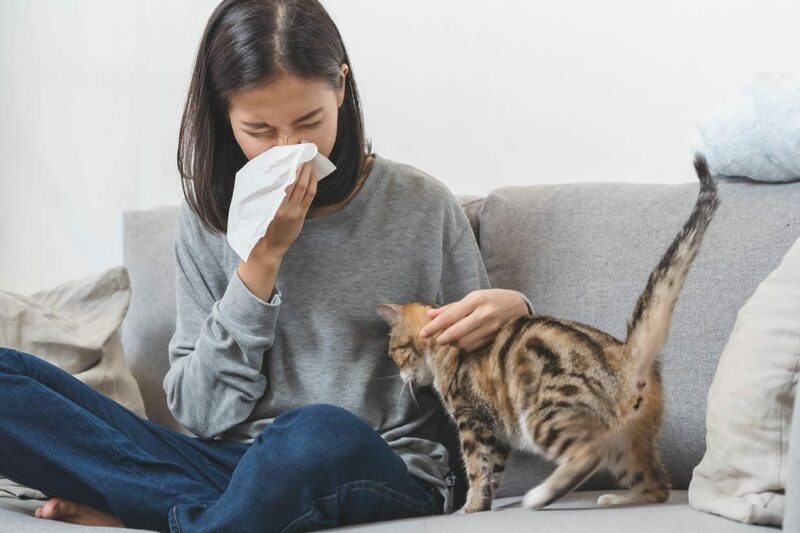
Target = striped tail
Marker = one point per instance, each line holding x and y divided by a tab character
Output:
649	325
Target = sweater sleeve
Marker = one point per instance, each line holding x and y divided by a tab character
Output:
217	351
463	270
462	265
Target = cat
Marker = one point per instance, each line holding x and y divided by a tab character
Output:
561	389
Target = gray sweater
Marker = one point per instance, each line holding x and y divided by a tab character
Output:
237	362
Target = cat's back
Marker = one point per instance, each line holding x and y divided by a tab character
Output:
578	346
547	361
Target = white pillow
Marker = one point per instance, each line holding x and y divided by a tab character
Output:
757	134
74	326
743	473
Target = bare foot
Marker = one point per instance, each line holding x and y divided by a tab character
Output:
75	513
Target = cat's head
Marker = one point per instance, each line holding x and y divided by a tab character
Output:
410	353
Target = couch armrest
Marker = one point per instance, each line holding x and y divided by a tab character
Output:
791	515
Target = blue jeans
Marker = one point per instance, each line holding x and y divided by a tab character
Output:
314	467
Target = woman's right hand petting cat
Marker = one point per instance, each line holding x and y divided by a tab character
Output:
258	273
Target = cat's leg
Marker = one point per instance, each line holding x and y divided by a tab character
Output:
502	450
572	438
478	442
638	467
573	469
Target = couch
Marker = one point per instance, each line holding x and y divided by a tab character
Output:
579	251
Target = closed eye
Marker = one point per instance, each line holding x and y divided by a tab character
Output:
272	132
402	358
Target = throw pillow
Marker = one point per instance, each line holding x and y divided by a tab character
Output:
742	475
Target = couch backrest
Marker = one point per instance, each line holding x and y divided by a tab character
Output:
579	251
148	241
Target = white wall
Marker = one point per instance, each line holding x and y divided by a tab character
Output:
479	93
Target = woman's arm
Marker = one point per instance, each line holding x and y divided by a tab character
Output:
218	349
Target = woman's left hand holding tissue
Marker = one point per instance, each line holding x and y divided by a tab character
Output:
258	273
288	221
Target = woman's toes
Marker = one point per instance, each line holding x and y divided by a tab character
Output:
76	513
51	509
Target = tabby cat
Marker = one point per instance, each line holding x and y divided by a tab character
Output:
561	389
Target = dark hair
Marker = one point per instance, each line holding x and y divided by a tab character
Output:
246	44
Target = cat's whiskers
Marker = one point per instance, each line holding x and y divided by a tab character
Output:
400	396
395	376
411	390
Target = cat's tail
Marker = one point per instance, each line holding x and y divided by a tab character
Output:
649	325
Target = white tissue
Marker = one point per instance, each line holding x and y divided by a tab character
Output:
259	190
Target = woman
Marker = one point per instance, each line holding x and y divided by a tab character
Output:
279	363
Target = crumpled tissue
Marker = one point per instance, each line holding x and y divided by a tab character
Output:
259	190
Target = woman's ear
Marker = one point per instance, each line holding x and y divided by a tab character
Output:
340	93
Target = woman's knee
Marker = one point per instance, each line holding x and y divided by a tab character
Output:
327	421
321	435
13	361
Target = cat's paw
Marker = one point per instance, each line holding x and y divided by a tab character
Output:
607	500
537	497
471	509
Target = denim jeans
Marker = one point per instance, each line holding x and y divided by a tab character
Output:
314	467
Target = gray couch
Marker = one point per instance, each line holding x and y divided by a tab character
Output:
579	251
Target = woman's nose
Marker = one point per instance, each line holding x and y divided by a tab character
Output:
285	139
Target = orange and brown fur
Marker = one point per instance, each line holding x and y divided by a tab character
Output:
564	390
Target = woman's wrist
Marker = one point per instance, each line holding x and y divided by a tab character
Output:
259	274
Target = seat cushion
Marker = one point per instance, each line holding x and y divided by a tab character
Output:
17	516
575	513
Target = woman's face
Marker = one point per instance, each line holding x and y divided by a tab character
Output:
286	111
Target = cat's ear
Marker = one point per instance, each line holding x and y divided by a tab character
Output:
390	312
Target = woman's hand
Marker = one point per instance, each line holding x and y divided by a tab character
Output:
288	221
260	270
475	319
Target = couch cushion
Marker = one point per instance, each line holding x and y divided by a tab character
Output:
575	513
584	252
17	516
